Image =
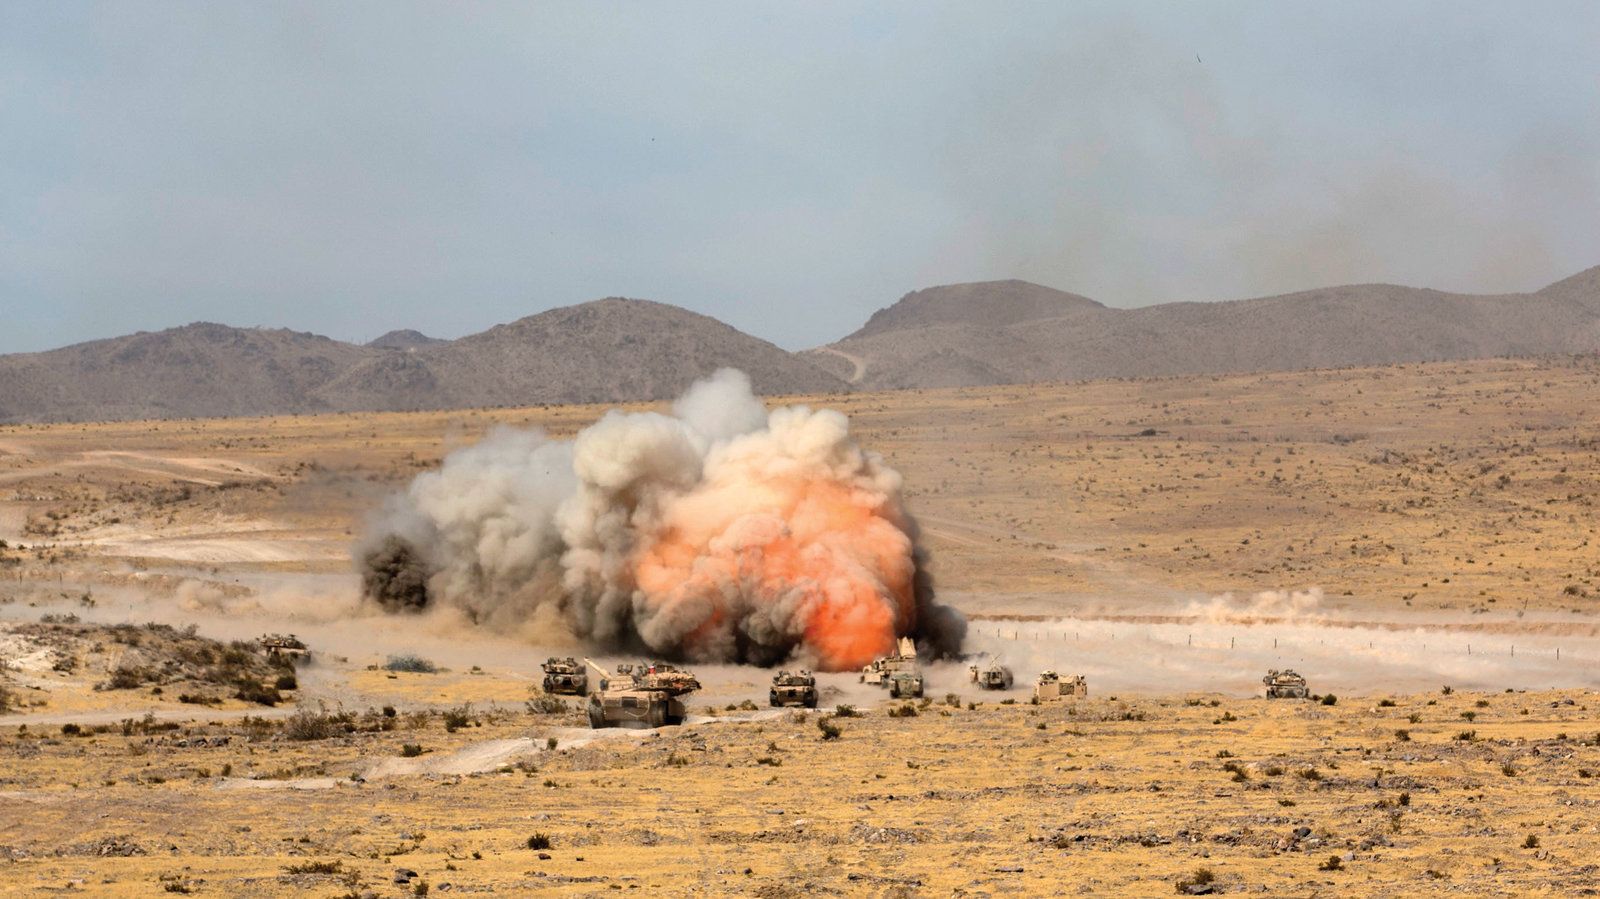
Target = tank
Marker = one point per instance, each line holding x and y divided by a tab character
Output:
906	685
640	695
1052	686
1285	684
284	646
882	671
993	677
565	676
793	688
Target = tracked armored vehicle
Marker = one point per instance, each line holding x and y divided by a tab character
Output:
882	671
906	685
639	695
1285	684
793	688
285	647
995	676
1052	686
565	676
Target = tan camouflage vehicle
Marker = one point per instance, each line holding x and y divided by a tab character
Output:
284	647
882	671
1052	686
793	688
640	695
993	677
1285	684
565	676
906	685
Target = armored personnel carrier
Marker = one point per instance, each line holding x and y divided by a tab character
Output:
640	695
994	676
565	676
906	685
882	671
284	647
1285	684
793	688
1053	686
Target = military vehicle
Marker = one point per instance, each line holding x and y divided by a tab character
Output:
640	695
565	676
793	688
882	671
1285	684
1053	686
993	677
906	685
284	647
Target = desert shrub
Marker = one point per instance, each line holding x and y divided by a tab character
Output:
306	725
1332	864
1447	689
1404	799
1467	736
410	750
1309	774
251	691
539	841
286	682
845	711
1403	735
1200	877
128	677
1386	703
457	718
315	867
546	705
1330	699
413	663
1532	842
904	710
70	730
830	730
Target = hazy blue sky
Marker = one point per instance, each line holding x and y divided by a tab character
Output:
348	168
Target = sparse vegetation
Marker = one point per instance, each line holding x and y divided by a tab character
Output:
411	663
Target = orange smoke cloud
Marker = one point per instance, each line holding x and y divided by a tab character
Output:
813	557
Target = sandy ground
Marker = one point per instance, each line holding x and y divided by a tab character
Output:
1385	531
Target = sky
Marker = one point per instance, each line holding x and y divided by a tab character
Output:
349	168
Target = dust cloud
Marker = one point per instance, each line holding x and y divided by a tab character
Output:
721	532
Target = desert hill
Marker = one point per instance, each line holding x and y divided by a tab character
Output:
1013	332
608	350
404	339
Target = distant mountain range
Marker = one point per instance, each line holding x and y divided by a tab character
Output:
1005	332
617	350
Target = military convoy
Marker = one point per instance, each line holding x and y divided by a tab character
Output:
793	688
1052	686
993	676
1285	684
565	676
651	695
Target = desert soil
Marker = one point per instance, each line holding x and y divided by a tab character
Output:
1388	531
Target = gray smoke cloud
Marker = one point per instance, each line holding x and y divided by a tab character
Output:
719	532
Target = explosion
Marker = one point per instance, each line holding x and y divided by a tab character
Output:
719	533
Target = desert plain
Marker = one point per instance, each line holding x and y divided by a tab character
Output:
1417	540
